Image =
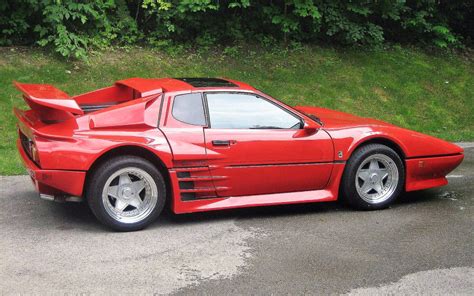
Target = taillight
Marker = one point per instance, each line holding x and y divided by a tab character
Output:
34	153
29	147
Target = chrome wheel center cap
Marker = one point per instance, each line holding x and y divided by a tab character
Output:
374	178
127	192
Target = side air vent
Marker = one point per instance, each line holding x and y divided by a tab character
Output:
183	174
92	108
196	183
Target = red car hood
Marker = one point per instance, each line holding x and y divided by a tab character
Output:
335	119
413	144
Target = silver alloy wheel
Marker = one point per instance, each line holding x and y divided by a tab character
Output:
130	195
377	178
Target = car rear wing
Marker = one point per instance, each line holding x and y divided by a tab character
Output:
50	103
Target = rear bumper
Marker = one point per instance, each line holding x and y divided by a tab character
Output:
428	172
53	182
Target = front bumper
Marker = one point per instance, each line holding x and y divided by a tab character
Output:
53	182
428	172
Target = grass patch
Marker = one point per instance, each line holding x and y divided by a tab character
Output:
429	93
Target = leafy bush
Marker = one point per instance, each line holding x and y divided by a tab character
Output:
72	27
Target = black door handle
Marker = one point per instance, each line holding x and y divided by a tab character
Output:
221	142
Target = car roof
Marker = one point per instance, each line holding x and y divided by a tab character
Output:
150	85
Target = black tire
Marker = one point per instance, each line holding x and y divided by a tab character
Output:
349	190
101	175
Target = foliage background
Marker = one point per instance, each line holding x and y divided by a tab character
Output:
73	27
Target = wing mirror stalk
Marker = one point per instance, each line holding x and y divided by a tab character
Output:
309	129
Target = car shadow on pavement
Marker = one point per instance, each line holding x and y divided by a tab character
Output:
255	213
419	197
79	216
288	210
75	216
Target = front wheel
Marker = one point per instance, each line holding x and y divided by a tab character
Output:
373	177
126	193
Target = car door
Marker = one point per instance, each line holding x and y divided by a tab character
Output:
255	146
183	125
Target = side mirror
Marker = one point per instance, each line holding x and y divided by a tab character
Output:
309	128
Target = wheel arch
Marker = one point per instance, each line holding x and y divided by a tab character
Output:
383	141
379	139
133	150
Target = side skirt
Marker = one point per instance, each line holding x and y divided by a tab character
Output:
330	193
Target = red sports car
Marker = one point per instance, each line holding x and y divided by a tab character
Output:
202	144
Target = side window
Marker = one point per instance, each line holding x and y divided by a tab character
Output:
189	109
243	111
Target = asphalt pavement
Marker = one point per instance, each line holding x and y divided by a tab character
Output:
423	244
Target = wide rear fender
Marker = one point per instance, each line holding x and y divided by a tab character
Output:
79	153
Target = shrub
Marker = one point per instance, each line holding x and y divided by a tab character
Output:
72	27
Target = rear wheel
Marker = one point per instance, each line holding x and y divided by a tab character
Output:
126	193
373	177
